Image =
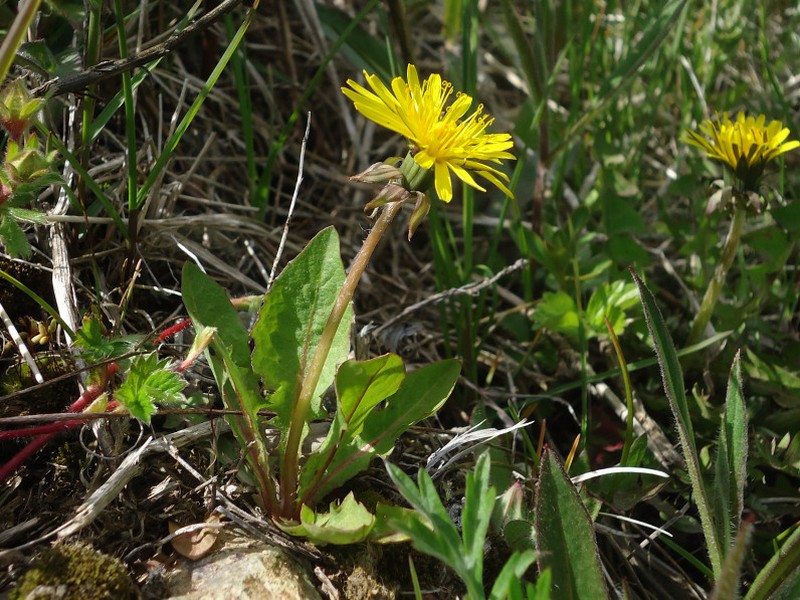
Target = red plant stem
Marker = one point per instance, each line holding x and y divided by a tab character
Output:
171	331
40	430
48	432
20	457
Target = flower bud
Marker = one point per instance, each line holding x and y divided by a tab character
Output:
17	109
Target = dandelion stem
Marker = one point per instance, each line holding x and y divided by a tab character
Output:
718	280
300	410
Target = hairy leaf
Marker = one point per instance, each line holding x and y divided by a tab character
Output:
565	536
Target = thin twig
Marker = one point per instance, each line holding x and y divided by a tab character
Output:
112	68
292	204
470	289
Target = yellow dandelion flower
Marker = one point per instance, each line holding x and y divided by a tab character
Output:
745	145
441	139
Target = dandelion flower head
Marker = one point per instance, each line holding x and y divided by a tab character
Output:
745	145
442	139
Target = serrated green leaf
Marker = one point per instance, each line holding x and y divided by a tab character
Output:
148	383
290	322
565	536
96	347
348	522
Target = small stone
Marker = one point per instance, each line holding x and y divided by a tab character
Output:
243	569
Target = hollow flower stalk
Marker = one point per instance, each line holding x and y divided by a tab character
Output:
442	139
745	147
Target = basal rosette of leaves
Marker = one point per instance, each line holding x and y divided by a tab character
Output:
269	377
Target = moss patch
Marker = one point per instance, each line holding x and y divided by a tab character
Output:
80	572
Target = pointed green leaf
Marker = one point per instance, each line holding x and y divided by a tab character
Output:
430	527
290	322
565	537
731	461
672	378
421	394
362	385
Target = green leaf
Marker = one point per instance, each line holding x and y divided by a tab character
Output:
362	385
623	249
229	353
479	501
732	451
511	575
149	383
290	322
208	305
610	300
557	311
420	395
787	216
96	347
672	378
27	215
564	535
622	215
780	577
13	238
346	523
430	528
229	357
